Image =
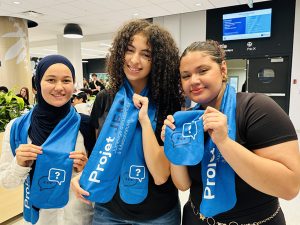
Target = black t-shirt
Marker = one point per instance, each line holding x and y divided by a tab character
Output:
160	198
93	86
260	123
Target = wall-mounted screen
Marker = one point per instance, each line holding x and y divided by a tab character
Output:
246	25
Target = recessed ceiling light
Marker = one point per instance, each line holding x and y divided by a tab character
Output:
32	14
17	3
135	14
198	4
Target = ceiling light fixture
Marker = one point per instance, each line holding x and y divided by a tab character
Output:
73	30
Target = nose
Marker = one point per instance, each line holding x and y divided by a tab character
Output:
135	58
58	85
195	79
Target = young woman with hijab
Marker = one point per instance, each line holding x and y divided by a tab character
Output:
135	186
250	152
44	148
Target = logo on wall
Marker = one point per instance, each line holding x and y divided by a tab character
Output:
18	49
250	46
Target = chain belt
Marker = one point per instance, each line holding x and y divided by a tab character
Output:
212	221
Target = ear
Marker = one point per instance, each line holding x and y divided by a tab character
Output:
224	71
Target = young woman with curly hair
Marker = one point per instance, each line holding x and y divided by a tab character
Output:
143	65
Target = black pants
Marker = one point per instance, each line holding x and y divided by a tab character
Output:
189	218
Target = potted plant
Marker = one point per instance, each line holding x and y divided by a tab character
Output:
11	106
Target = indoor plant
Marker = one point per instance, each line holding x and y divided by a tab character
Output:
11	106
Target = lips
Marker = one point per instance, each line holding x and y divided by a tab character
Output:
133	69
57	96
197	90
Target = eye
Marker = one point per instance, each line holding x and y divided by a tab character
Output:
202	71
130	49
67	81
50	80
146	55
185	76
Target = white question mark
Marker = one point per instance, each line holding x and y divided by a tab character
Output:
138	171
57	174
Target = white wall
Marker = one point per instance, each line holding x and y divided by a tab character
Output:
241	73
295	88
185	28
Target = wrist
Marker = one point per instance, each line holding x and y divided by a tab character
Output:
144	121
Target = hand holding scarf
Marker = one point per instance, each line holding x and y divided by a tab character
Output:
218	177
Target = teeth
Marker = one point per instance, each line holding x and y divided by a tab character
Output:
133	69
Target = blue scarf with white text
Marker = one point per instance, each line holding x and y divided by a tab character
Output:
53	170
118	153
218	177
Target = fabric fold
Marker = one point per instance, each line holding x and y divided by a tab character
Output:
50	184
184	145
119	137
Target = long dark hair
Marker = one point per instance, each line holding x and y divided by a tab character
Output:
163	80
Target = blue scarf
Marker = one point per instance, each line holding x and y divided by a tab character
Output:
118	153
184	145
218	177
53	170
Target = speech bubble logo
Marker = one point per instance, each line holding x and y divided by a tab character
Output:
137	172
189	130
127	181
57	175
45	184
178	139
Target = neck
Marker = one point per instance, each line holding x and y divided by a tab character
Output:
139	85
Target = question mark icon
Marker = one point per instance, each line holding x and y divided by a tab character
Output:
57	174
138	172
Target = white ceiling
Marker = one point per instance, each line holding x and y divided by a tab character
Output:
97	18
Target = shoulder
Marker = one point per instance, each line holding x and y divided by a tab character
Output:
8	128
257	103
258	116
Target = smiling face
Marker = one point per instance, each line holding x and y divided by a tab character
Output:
137	63
23	93
202	78
57	85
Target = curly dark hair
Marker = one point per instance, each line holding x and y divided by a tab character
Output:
163	79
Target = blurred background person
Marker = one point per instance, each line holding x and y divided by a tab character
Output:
24	93
80	103
3	89
95	84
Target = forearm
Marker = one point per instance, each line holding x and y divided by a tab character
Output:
156	161
180	177
12	175
262	172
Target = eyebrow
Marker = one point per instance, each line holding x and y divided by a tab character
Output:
52	75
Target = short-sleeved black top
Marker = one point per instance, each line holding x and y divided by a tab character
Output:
160	199
260	123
